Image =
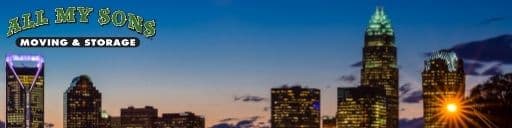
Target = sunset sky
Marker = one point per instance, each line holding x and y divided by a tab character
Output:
208	53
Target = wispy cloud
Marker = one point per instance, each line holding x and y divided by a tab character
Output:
347	78
495	49
493	20
405	88
494	70
249	98
357	64
414	97
251	122
478	54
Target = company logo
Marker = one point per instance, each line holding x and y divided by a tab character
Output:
76	15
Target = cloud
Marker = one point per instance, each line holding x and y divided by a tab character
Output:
249	98
470	68
494	70
478	54
347	78
492	20
405	88
247	123
414	97
411	123
266	109
357	64
250	122
478	69
495	49
222	125
228	119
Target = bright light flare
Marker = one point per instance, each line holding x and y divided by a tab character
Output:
451	107
457	112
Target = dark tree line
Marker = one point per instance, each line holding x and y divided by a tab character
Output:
493	100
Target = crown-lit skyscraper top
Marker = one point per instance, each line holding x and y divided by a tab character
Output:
379	24
449	57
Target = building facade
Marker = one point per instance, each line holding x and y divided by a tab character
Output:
139	117
114	122
82	104
328	122
443	81
379	64
295	107
361	107
24	91
181	120
105	120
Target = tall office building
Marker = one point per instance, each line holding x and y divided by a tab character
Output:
139	117
181	120
82	104
295	107
443	80
380	63
361	107
114	122
328	122
24	91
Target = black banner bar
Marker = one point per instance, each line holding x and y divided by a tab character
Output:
79	42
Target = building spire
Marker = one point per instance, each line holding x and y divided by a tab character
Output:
379	23
449	57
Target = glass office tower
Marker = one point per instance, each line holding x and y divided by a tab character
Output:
380	63
295	107
24	91
82	104
443	81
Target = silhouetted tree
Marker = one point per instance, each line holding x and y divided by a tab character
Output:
493	99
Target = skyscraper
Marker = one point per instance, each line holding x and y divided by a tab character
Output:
82	104
139	117
181	120
328	122
295	107
380	63
115	122
361	107
24	91
443	81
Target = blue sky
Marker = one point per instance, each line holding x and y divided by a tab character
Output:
206	52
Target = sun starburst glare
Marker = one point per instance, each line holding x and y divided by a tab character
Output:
458	113
451	107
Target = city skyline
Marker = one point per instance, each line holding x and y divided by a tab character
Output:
241	49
